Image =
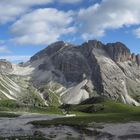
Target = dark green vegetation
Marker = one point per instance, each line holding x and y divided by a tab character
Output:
14	106
87	114
5	106
9	115
107	111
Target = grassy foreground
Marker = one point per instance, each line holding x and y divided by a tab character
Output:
113	112
9	115
13	106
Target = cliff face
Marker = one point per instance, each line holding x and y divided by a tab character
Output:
138	59
91	69
118	52
72	74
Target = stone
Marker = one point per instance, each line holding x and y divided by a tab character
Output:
111	70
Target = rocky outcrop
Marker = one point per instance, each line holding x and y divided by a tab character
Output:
118	51
138	59
109	69
51	50
74	73
5	66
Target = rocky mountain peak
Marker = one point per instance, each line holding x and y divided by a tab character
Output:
118	51
51	49
96	63
92	69
138	59
95	43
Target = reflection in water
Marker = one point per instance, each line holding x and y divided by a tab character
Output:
20	127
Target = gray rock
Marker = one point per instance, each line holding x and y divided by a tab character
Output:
118	51
138	59
111	69
5	66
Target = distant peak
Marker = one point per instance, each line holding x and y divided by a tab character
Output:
51	49
93	44
118	51
119	46
60	43
57	43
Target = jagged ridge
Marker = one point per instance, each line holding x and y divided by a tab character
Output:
72	74
91	69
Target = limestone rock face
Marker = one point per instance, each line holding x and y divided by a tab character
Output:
109	70
50	50
138	59
118	51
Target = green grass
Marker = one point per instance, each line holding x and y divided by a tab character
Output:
108	107
14	106
27	94
86	120
31	109
49	90
9	115
43	110
113	112
53	99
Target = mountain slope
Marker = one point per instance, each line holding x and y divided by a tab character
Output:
109	70
69	74
17	87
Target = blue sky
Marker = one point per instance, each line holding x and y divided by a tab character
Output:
30	25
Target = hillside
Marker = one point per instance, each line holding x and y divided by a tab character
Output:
69	74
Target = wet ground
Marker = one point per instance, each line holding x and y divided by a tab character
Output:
20	127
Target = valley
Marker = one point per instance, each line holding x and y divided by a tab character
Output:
72	92
53	125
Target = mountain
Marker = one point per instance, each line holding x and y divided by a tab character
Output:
70	74
17	87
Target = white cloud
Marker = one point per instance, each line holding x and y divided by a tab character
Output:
70	1
10	9
4	49
109	14
42	26
137	32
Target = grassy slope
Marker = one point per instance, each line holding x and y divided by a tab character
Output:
19	88
9	115
113	112
29	95
53	99
14	106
